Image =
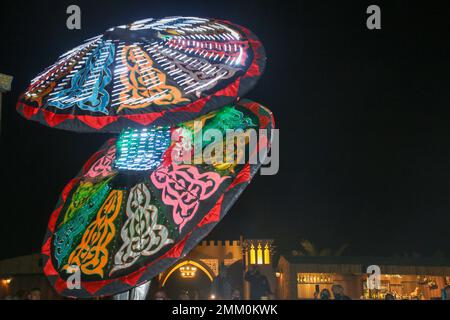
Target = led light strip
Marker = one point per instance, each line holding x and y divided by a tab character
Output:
142	149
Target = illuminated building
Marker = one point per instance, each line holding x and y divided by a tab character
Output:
295	277
301	276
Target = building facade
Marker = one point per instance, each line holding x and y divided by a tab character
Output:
300	277
296	277
237	256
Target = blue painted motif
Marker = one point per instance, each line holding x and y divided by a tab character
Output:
83	94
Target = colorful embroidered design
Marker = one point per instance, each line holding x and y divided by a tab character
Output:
44	83
144	84
183	187
87	89
82	196
219	161
70	232
141	234
103	166
91	255
182	145
200	80
227	118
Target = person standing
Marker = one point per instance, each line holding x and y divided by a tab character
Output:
446	293
34	294
160	295
325	294
221	287
236	295
259	285
338	292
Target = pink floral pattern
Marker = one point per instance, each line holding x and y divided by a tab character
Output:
183	187
103	166
181	151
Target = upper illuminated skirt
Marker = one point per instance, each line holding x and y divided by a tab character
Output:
137	206
150	72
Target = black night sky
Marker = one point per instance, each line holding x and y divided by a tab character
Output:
364	120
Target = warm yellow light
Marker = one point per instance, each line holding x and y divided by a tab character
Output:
266	254
277	274
252	254
188	271
6	281
259	254
182	264
314	278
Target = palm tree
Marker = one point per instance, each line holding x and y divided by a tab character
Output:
307	248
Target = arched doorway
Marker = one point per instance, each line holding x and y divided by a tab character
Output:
189	277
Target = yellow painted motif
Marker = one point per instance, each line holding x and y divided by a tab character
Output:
143	83
82	195
91	255
219	161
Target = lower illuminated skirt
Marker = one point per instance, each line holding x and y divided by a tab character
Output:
147	198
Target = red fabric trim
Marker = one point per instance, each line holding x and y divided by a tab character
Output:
242	177
49	270
60	285
46	247
53	119
132	279
264	120
196	106
53	218
96	122
93	287
176	250
253	107
69	187
27	111
213	215
252	71
230	90
147	119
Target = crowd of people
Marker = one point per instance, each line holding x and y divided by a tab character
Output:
222	289
336	289
33	294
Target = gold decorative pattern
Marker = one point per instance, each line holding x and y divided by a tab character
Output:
91	255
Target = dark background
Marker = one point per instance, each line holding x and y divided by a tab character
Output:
363	115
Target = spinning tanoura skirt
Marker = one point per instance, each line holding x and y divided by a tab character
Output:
136	208
151	72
